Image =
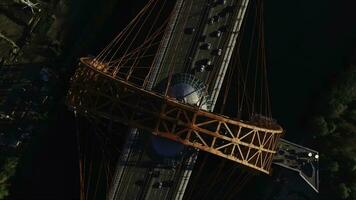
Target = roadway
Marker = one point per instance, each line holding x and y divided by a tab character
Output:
199	24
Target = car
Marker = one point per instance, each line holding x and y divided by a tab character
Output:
202	38
203	68
221	2
200	68
226	10
203	65
189	30
158	185
216	52
216	34
205	61
205	46
214	19
162	184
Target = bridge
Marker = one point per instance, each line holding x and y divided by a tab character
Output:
165	83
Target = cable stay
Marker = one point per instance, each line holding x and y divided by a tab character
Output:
144	79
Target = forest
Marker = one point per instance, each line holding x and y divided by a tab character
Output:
335	130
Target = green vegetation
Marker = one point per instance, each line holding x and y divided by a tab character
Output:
7	170
335	129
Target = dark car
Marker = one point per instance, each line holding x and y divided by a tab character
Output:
205	46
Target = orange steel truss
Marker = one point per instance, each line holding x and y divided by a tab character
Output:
96	93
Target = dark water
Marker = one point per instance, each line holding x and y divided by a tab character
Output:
308	42
49	169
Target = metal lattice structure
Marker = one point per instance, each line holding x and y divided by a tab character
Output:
97	92
162	75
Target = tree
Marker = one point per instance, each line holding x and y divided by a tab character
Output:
320	126
343	191
7	171
335	130
337	109
333	166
